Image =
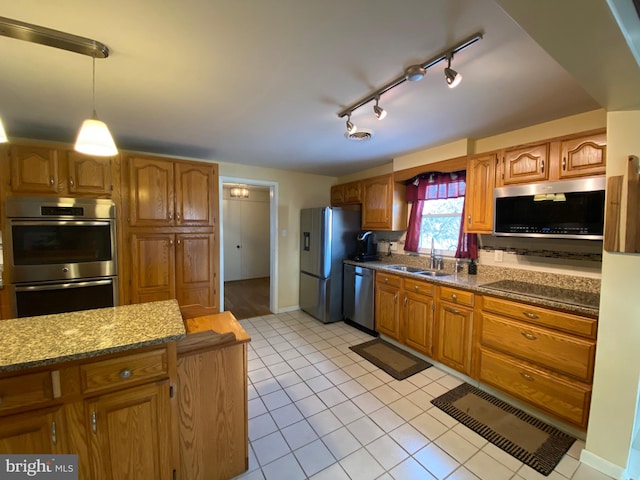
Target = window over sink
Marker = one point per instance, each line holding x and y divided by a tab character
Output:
440	223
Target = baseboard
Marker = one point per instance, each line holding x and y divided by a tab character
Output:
288	309
602	465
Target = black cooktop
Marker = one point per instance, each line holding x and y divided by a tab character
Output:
556	294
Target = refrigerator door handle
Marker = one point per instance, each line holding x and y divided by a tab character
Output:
307	241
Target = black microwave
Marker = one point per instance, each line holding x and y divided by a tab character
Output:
563	209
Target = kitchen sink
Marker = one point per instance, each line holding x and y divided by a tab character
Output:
433	273
406	268
418	270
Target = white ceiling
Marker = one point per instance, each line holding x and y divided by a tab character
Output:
261	82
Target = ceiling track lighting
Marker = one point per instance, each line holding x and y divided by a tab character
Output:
351	128
94	137
412	73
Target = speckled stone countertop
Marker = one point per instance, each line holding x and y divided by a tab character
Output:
48	339
580	295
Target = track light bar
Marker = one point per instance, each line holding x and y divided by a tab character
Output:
412	73
52	38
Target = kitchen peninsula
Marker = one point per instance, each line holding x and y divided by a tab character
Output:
118	387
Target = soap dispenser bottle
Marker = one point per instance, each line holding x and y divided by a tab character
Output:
473	267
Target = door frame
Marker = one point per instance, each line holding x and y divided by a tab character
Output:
273	235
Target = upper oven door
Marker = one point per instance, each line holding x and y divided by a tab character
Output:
42	250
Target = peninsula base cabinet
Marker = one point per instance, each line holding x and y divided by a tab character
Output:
34	432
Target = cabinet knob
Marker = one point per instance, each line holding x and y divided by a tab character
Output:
72	182
542	166
171	216
170	242
386	280
469	219
416	288
454	297
52	180
179	242
126	373
178	217
528	336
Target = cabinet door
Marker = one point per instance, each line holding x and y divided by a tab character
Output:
352	192
152	267
195	273
479	197
418	322
34	169
194	194
528	164
151	193
387	311
583	156
87	174
337	195
377	203
454	337
42	431
130	434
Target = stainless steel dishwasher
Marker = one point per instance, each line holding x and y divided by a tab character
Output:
358	292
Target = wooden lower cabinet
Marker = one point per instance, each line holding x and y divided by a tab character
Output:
418	312
387	306
131	436
455	329
42	431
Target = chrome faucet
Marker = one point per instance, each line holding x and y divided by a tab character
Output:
435	262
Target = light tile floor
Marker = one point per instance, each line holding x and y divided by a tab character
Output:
317	410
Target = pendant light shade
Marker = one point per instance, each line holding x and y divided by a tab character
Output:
3	134
94	138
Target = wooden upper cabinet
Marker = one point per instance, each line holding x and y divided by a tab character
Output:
87	174
34	169
384	206
526	164
167	193
481	171
151	194
346	193
194	194
583	156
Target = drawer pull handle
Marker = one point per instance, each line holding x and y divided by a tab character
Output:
452	310
94	422
530	315
528	336
54	438
405	301
527	377
395	298
416	288
126	373
51	180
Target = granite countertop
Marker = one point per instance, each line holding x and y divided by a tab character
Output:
581	299
48	339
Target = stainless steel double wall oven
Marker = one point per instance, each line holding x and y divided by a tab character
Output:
61	254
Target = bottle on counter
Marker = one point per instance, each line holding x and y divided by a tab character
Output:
473	267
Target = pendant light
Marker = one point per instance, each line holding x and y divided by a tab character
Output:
3	134
94	137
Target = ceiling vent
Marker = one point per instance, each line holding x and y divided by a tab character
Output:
359	135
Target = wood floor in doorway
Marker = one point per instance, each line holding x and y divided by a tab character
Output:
247	298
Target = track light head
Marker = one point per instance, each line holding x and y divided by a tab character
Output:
351	128
453	78
378	110
415	73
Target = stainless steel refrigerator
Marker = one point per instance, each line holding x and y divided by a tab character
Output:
327	237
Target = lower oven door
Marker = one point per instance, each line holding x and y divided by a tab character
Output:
46	298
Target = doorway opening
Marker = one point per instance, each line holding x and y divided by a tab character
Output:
248	247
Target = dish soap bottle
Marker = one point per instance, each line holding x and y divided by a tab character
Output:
473	267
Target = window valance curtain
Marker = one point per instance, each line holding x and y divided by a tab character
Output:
433	186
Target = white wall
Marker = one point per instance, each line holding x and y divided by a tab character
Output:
617	366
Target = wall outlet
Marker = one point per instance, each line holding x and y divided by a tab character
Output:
393	246
497	255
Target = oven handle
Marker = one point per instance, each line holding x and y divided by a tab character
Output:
81	223
61	286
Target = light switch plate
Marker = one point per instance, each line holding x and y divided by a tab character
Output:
497	255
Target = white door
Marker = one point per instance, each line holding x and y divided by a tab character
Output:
232	217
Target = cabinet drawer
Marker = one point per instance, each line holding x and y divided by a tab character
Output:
566	400
418	287
583	326
123	370
385	279
557	351
460	297
24	390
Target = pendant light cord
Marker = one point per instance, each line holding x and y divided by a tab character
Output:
93	92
